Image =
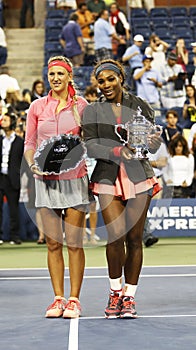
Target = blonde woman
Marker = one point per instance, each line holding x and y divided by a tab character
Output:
59	113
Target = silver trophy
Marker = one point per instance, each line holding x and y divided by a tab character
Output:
139	130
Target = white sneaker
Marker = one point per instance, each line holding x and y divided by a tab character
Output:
72	308
1	241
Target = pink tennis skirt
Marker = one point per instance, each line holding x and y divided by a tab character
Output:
125	188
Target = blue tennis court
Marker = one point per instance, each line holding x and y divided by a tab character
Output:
165	305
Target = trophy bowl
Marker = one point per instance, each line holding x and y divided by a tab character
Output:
138	132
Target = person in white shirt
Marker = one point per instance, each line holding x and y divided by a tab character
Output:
179	172
8	82
157	49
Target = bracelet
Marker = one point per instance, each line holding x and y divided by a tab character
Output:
30	166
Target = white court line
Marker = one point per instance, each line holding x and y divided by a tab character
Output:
73	334
98	277
140	316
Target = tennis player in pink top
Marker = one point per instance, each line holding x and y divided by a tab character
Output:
63	192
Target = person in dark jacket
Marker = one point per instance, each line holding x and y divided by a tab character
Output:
11	153
123	183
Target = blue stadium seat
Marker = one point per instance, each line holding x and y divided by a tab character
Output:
160	21
178	11
145	31
142	20
181	32
183	27
192	11
163	33
139	12
159	12
56	13
161	25
140	28
52	34
54	23
180	21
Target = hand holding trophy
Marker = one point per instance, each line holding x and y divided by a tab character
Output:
141	135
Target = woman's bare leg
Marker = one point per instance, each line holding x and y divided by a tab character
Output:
52	224
74	240
136	212
113	211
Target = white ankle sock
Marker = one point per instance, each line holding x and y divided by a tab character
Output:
116	283
130	290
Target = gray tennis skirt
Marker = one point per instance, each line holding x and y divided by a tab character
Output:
62	194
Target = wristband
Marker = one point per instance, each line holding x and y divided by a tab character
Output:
117	151
30	166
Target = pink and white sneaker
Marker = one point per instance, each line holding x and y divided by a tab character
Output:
57	308
72	308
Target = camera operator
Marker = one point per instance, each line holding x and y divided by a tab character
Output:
156	49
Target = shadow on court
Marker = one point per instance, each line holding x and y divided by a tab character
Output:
165	305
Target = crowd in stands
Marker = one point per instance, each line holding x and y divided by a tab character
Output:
159	70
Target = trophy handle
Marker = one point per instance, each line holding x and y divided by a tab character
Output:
158	128
116	132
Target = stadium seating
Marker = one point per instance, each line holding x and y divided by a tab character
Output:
178	11
139	12
169	23
159	12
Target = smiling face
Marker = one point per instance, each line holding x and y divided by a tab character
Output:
58	78
110	84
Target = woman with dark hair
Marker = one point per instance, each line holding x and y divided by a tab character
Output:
189	109
181	53
62	196
38	89
123	183
179	172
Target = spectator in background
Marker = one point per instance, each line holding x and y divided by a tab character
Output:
8	82
11	153
134	56
133	53
148	81
149	4
66	6
173	91
38	89
27	5
3	47
157	49
181	53
189	108
86	23
179	172
11	100
95	7
119	22
172	129
91	94
24	103
72	42
103	35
